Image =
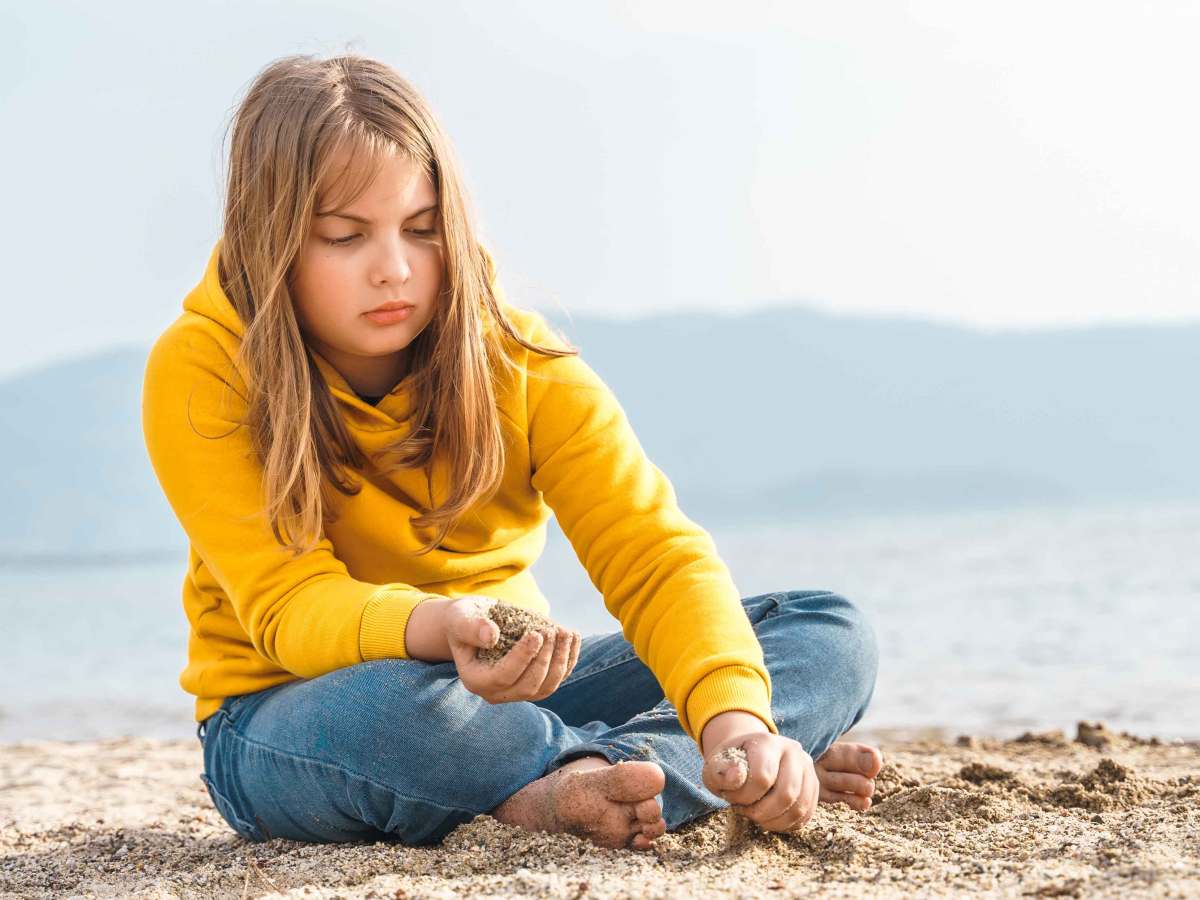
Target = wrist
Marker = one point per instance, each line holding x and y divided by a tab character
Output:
425	634
731	723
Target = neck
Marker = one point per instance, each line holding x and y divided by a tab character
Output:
368	376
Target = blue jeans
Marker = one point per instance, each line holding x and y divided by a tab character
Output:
398	749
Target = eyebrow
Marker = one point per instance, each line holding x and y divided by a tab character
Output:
346	215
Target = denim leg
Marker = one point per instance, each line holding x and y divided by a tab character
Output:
821	655
390	747
400	748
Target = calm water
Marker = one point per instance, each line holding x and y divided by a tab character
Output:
990	622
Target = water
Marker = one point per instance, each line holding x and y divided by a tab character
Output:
989	622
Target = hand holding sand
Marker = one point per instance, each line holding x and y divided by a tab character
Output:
767	778
535	653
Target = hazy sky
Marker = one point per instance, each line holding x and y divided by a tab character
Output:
998	164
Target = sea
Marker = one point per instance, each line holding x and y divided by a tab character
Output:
990	622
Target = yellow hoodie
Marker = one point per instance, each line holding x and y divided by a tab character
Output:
260	617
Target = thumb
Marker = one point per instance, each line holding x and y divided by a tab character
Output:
477	631
728	770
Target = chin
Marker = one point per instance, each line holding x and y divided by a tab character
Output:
386	346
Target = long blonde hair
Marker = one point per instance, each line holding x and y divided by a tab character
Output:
295	118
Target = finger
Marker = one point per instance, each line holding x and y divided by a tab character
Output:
812	792
785	793
787	818
797	815
535	673
575	648
557	670
486	633
764	769
510	669
723	776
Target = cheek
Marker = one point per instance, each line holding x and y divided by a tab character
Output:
433	266
318	288
322	270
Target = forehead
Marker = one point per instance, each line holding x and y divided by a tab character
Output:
355	176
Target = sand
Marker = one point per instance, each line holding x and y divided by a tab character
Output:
513	622
1099	814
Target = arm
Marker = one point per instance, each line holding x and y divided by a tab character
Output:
425	637
658	571
304	613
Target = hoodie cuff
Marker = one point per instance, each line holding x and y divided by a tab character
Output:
384	618
728	688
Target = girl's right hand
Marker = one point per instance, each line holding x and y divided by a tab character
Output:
532	670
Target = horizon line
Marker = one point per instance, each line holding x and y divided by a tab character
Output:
1109	324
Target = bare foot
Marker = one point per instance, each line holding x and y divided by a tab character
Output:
847	774
610	805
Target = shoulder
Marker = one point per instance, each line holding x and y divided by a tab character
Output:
193	334
192	352
534	327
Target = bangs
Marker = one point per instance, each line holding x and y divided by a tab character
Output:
338	186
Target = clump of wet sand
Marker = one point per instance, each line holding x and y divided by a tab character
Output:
1021	817
514	623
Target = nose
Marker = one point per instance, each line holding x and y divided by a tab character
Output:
391	265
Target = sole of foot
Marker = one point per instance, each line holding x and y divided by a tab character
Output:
611	805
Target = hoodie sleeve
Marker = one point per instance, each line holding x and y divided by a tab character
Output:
304	613
658	571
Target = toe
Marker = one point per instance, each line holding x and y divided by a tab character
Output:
656	829
632	782
640	842
647	811
854	801
846	756
846	783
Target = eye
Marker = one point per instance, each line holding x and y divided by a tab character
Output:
341	242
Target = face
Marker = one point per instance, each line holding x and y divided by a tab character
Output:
385	246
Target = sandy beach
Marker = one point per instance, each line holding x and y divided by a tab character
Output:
1044	815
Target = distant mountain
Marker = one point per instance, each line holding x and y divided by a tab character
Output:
780	414
792	412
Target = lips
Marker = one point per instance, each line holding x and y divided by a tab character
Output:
390	316
394	304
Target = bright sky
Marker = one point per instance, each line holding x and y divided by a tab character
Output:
1002	165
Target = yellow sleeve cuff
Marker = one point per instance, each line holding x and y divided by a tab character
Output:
384	619
727	688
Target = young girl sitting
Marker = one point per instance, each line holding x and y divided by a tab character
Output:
363	441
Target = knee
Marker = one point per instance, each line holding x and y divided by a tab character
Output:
408	711
385	694
848	646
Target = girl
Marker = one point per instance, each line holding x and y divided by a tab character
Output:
363	441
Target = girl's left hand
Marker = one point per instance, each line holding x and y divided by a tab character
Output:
780	792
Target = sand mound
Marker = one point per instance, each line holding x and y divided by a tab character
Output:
891	780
